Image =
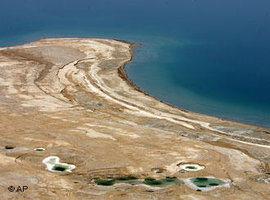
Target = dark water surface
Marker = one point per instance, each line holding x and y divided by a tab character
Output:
207	56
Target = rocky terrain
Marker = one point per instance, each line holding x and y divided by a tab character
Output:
72	126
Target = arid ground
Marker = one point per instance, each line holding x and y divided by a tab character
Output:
70	98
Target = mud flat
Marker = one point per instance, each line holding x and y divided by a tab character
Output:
71	97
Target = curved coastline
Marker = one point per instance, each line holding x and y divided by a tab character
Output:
72	96
123	74
182	96
188	118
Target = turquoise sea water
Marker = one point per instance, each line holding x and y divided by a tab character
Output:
207	56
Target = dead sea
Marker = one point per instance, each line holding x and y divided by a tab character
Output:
72	98
204	56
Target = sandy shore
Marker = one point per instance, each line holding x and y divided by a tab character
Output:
71	96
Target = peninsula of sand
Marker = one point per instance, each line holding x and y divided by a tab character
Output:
73	126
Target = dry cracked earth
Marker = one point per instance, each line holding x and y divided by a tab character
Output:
107	139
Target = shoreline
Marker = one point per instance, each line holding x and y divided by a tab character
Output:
123	74
72	98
